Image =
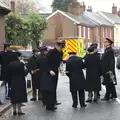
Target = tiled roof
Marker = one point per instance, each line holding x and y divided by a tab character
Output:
98	18
111	17
83	20
3	8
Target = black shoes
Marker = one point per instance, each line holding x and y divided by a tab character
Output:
105	99
14	113
74	105
19	113
51	108
83	105
57	103
33	99
89	100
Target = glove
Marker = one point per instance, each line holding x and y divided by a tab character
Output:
52	73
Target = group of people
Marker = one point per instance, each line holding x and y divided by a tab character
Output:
44	67
99	70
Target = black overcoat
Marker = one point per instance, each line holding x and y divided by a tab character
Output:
93	72
33	65
16	73
74	66
5	59
47	81
108	64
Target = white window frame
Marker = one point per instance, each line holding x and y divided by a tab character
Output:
88	33
80	31
110	33
103	32
84	28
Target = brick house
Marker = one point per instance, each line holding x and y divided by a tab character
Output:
3	11
61	24
78	22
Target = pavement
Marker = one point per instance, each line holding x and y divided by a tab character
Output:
94	111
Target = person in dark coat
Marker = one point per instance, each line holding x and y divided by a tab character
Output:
5	59
108	65
47	82
18	92
35	73
93	73
54	57
74	66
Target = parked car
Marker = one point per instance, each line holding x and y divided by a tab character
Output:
118	62
116	51
25	54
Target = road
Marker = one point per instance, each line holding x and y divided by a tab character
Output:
95	111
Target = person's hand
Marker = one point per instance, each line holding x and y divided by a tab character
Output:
52	73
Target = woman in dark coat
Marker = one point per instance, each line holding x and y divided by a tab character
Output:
93	73
18	94
74	66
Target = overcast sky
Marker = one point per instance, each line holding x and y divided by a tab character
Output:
98	5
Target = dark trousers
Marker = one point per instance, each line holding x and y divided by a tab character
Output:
34	94
7	88
55	85
48	99
110	91
81	94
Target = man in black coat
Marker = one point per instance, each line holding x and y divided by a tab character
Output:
5	59
108	65
34	70
54	58
46	82
74	66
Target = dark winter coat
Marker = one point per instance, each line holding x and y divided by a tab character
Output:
74	66
54	58
5	59
46	82
93	72
16	73
108	64
33	65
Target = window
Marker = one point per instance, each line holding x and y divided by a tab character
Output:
84	32
80	31
110	33
88	33
103	32
106	32
97	32
116	31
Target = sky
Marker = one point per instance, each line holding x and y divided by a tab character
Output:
97	5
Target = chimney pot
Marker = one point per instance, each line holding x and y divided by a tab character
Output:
12	6
114	9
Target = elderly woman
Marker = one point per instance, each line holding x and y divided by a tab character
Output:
93	73
17	73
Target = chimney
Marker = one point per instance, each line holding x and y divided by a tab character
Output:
114	9
89	9
119	12
12	6
76	8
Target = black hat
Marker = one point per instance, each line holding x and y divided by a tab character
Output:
94	45
60	43
91	49
35	50
72	53
109	40
43	48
